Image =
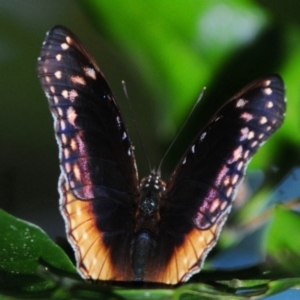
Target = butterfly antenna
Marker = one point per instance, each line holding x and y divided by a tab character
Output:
135	124
176	136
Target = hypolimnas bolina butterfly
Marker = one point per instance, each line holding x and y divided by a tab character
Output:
124	230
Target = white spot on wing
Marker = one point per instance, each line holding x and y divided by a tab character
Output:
241	103
57	74
78	80
254	143
250	135
118	122
71	115
62	124
263	120
223	205
217	119
226	180
65	94
240	165
73	144
66	153
246	154
72	95
64	46
236	155
60	111
214	205
202	136
246	116
235	179
77	172
90	72
267	91
64	139
244	133
193	149
229	192
67	167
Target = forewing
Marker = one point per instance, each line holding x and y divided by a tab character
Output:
94	148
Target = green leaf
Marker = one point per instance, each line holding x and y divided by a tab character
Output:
23	247
282	242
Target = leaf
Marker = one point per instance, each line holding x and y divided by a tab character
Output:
283	243
23	247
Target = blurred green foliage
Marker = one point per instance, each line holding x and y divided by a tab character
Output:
175	48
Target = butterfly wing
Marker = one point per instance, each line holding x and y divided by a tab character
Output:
98	182
201	190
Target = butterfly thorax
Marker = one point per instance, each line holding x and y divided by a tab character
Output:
152	189
148	217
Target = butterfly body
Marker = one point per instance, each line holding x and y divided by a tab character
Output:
125	230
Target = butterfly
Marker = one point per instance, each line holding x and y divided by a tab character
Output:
123	229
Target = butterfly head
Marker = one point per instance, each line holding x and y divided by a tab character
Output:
152	189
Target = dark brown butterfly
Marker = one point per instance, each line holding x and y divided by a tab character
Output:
121	229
